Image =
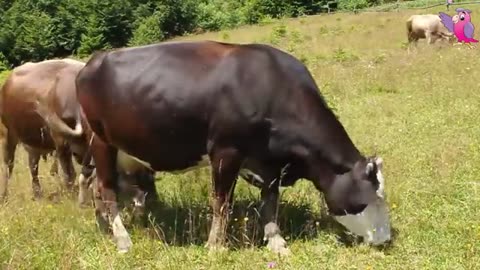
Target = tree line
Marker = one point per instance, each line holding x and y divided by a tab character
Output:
34	30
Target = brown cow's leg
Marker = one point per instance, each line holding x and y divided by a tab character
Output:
412	43
276	243
226	163
54	167
33	160
101	214
8	145
105	158
428	36
65	157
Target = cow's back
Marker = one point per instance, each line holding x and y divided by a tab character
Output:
175	97
26	85
425	22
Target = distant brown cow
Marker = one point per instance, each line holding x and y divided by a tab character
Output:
428	26
50	83
37	105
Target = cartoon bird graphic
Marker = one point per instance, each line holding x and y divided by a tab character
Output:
460	24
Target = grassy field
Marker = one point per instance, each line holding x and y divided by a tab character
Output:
419	111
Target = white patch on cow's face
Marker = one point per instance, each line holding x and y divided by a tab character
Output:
381	180
373	223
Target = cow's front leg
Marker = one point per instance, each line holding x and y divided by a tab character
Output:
226	163
105	157
276	243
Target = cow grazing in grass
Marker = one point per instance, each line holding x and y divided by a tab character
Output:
427	26
38	104
241	109
50	84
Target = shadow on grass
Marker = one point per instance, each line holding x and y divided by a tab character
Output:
189	225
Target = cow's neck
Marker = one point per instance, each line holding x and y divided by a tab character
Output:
322	137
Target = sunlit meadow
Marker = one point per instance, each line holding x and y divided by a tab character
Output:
419	111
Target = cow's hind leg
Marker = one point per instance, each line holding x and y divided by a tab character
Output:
33	160
105	158
8	145
65	157
225	164
54	167
412	44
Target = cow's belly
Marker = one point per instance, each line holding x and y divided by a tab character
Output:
159	157
172	145
30	130
131	164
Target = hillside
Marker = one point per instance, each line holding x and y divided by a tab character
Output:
418	111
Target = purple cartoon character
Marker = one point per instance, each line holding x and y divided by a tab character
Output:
460	24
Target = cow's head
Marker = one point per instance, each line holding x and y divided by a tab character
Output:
357	201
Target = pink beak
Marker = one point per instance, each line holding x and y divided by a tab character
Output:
455	19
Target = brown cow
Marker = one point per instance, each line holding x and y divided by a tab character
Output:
136	179
37	103
428	26
49	83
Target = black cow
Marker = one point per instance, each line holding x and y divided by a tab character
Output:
242	108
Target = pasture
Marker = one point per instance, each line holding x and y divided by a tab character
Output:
418	111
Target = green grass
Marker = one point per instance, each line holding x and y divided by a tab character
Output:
419	111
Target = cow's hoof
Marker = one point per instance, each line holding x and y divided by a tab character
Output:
278	245
124	244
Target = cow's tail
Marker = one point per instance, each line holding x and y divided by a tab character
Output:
3	128
55	123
